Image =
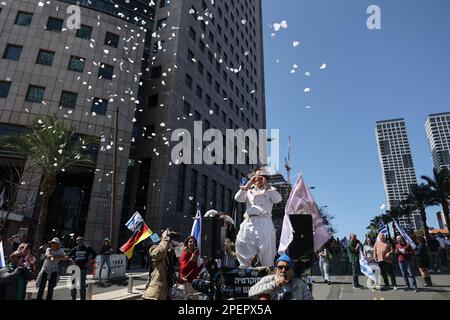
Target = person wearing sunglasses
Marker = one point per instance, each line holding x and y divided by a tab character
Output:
283	283
256	234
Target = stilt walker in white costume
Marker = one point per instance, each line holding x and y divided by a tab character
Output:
257	233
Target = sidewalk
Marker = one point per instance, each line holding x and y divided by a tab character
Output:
342	289
117	289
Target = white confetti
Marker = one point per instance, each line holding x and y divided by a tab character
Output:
295	44
323	66
307	90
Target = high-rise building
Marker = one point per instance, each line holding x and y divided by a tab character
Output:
441	220
397	165
81	75
207	66
438	133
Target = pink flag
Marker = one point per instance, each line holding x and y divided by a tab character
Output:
301	201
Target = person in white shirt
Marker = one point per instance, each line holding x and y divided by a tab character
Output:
256	235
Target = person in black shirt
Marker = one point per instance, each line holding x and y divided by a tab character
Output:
105	252
82	256
433	246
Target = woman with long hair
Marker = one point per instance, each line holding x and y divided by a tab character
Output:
423	261
189	266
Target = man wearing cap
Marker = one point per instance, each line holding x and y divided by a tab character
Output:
82	256
257	233
283	281
49	270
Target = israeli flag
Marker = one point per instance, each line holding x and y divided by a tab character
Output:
405	235
134	221
2	256
365	268
380	225
196	232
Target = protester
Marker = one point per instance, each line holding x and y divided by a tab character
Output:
433	249
13	278
49	271
257	233
324	264
189	266
404	254
383	255
353	249
83	257
369	251
105	257
423	261
160	281
283	283
442	252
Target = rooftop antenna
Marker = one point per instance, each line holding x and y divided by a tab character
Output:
287	162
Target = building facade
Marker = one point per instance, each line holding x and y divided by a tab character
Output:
207	66
397	165
437	127
80	75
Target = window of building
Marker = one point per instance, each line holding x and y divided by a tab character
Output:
192	33
105	71
12	52
186	108
35	94
200	67
159	46
188	81
201	45
199	92
190	56
155	72
4	88
84	32
45	57
76	64
197	116
55	24
163	3
161	24
99	106
68	99
153	101
209	77
112	40
23	18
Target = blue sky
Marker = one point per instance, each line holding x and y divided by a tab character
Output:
400	71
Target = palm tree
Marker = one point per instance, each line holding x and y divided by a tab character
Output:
440	186
52	148
420	198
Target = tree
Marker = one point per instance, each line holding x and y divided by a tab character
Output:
52	148
440	186
327	220
420	198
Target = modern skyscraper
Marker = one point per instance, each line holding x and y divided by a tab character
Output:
80	75
438	133
207	66
397	165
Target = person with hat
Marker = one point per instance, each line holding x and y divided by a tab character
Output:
283	285
105	253
13	278
82	256
53	255
256	234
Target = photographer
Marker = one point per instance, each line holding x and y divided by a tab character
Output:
281	286
161	268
